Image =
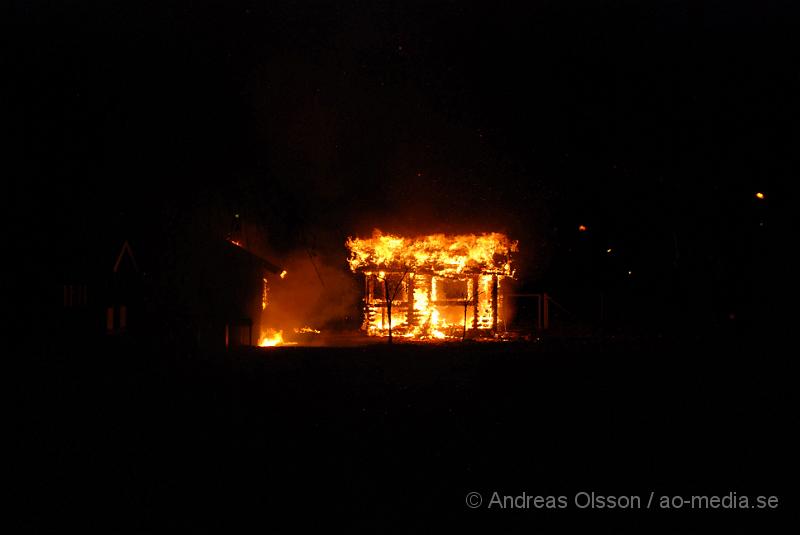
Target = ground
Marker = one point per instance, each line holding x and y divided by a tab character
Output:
384	438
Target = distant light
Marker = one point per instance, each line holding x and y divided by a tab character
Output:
582	228
760	195
608	250
630	272
283	274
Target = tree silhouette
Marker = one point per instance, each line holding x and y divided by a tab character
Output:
387	291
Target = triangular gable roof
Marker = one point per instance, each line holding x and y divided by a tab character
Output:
126	248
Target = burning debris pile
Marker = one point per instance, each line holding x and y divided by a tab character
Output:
272	338
433	287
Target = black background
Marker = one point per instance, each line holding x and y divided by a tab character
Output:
653	124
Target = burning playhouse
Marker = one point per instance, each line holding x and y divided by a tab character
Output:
433	287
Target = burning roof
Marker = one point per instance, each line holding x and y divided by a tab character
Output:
436	254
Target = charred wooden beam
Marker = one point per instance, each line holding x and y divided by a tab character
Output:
495	292
475	314
368	298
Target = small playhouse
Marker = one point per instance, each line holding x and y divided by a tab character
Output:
433	287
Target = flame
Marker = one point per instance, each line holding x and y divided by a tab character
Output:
283	274
271	338
306	330
439	285
437	254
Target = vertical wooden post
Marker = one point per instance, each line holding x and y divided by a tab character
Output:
385	304
494	303
475	283
388	307
367	301
504	314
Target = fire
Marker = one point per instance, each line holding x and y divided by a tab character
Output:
306	330
438	254
432	287
271	338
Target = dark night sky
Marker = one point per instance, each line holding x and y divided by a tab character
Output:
652	123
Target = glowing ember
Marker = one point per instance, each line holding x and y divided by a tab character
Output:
432	287
283	274
306	330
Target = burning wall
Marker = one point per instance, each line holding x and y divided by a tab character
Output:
435	286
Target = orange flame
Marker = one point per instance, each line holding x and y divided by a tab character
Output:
438	286
436	254
306	330
271	338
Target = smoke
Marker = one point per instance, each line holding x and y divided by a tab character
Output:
318	291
